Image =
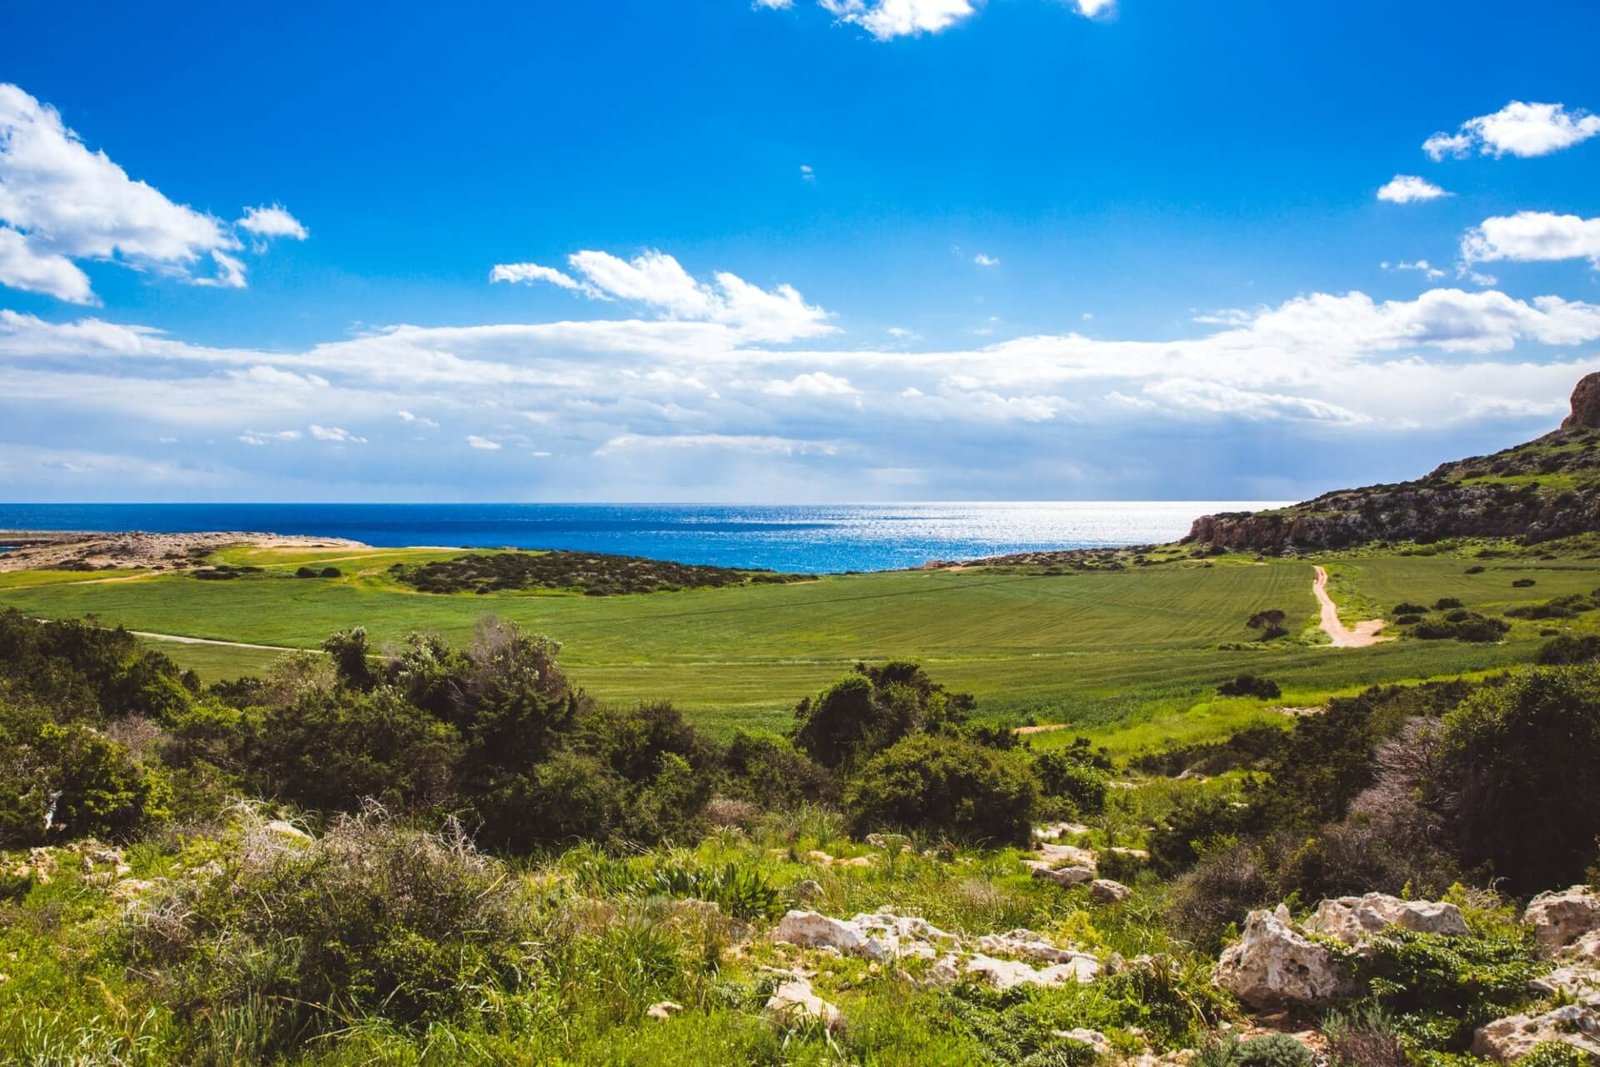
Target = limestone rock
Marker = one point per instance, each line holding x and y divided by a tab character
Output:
810	929
809	889
1579	981
1084	1036
1514	1037
794	1004
1057	830
1563	916
1066	855
1585	404
284	828
1273	966
1105	891
663	1010
1355	919
1008	974
1064	876
1586	947
1030	946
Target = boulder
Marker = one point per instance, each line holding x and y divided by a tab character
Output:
1064	876
663	1010
809	889
1586	947
1105	891
1066	855
1057	830
1585	404
1513	1037
1008	974
1355	919
1563	916
1579	982
1273	966
1029	946
793	1005
810	929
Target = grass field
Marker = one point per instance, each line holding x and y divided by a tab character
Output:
1119	653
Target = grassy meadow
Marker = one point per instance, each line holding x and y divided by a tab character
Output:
1125	655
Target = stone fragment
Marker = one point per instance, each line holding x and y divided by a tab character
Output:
1513	1037
810	929
1105	891
793	1004
1355	919
1273	966
663	1010
1563	916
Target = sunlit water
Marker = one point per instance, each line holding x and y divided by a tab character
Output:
800	538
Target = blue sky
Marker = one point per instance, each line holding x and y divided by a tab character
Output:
816	250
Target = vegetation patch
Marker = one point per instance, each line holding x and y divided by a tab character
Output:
591	573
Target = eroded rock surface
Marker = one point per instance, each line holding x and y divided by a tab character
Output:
1513	1037
1274	966
1563	916
1355	919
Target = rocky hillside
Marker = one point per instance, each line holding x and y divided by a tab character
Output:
1538	491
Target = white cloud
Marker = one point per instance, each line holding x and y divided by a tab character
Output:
416	420
807	174
1409	189
1421	266
775	5
1518	129
272	221
659	282
817	383
526	273
1533	236
784	446
1091	8
482	443
888	19
985	261
253	437
61	202
336	434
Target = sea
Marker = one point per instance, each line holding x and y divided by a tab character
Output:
807	539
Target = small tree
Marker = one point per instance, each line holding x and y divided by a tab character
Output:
948	786
1269	623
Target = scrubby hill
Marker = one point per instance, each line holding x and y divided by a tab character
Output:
1545	489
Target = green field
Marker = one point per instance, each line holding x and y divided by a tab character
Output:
1137	649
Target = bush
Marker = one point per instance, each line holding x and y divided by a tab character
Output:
1446	603
1463	626
1566	650
1248	685
1364	1039
1523	583
1514	757
1440	989
1268	1050
1076	778
868	711
1408	608
944	786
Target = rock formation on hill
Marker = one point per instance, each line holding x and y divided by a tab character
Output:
1538	491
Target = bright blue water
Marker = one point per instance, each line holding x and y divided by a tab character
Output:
808	539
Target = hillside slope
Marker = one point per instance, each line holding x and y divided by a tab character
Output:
1538	491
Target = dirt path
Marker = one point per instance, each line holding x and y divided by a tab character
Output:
1342	636
178	639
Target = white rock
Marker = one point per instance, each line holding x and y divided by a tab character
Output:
1514	1037
1064	855
1355	919
809	889
1586	947
1105	891
1028	945
1272	965
1008	974
663	1010
1563	916
1580	981
793	1004
1057	830
1084	1036
1065	876
284	828
810	929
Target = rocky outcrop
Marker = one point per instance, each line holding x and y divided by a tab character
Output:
1513	1037
1272	966
1009	974
1585	404
1355	919
1105	891
794	1004
1561	917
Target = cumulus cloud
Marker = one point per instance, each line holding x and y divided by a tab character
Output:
888	19
985	261
272	221
1409	189
1533	236
60	202
1518	129
1091	8
775	5
253	437
1421	266
336	435
416	420
817	383
660	283
726	442
483	444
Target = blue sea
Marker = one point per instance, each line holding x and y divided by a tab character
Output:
811	539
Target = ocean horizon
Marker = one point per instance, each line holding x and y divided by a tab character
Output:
811	538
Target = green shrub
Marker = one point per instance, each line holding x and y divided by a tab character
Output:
1514	758
1440	989
866	712
1364	1038
1076	777
1408	608
1566	649
944	786
1268	1050
1557	1054
1248	685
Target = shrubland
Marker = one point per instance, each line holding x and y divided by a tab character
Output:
436	852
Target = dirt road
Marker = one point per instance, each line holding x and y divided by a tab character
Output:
1342	636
